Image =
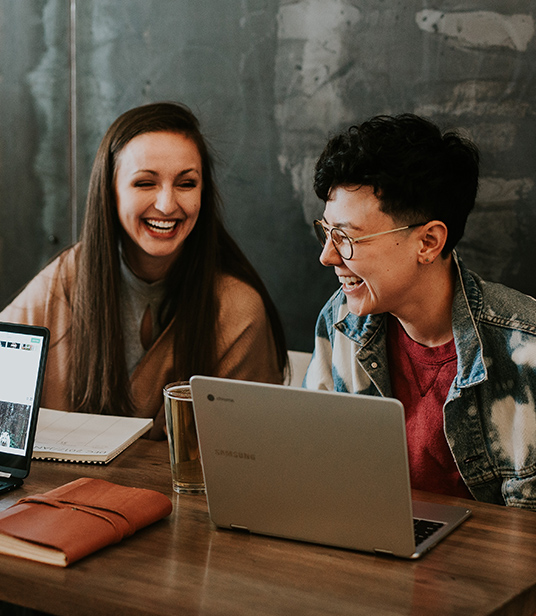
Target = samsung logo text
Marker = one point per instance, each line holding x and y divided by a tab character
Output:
234	454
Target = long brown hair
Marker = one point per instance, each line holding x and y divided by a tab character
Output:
99	376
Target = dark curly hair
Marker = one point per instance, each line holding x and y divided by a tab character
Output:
417	172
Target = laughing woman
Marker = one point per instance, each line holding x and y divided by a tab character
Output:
155	290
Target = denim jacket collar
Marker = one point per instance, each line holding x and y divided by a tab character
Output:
369	332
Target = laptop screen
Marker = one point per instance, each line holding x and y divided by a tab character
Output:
23	351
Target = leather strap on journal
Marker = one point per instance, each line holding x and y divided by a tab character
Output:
123	528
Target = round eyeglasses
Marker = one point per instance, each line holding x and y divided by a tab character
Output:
343	243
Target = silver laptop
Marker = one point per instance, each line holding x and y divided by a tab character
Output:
316	466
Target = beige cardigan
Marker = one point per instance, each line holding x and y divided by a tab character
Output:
246	349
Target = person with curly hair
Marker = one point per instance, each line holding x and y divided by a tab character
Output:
411	321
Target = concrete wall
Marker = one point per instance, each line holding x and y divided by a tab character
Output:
269	80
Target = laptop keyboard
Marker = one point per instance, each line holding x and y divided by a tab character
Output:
424	529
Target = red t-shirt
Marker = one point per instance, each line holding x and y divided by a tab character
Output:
421	378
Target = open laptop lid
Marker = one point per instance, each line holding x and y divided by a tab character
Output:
324	467
23	352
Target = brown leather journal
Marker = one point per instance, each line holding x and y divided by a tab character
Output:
65	524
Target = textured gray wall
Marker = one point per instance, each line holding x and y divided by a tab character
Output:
270	80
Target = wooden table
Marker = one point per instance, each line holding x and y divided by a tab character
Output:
184	565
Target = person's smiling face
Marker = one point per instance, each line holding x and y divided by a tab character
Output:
158	185
380	275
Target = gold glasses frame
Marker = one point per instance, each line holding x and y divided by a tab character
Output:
342	241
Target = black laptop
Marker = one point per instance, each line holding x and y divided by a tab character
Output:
23	353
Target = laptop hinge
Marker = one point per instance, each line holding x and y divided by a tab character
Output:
244	529
380	551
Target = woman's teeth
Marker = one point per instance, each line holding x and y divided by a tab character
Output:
349	281
161	226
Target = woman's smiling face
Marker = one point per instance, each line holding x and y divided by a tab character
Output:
158	185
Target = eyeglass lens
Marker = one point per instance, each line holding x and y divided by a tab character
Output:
342	243
340	240
320	232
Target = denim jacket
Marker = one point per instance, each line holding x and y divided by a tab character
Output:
490	410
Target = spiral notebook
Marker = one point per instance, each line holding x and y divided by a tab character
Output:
82	437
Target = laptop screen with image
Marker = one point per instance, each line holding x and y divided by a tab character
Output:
23	352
